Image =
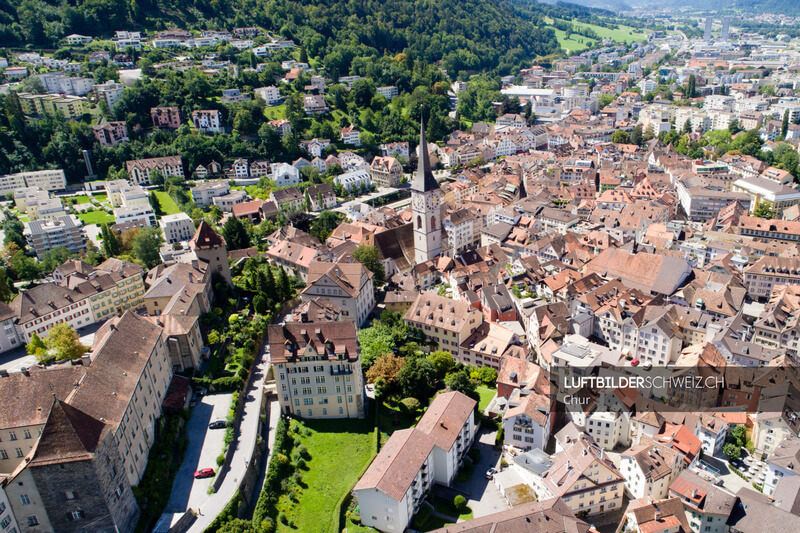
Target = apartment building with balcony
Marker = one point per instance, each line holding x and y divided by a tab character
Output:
317	369
394	486
139	169
203	194
45	234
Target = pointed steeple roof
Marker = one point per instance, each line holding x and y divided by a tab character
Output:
206	237
424	180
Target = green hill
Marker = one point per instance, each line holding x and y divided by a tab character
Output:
464	34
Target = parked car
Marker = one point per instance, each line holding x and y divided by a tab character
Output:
204	472
217	424
491	472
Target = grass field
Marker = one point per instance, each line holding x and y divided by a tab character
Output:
577	43
486	396
168	205
275	112
572	45
81	199
96	217
339	450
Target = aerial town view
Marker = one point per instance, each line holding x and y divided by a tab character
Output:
452	266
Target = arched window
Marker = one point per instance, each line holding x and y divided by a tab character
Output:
433	222
419	222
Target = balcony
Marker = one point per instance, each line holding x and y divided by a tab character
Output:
340	371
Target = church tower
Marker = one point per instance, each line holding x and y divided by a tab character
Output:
426	197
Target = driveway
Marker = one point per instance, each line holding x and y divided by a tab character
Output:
205	445
245	445
484	496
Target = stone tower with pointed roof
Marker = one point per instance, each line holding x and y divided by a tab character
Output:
209	246
426	197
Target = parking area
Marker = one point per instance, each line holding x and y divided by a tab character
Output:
484	496
205	445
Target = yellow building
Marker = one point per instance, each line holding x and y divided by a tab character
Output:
70	107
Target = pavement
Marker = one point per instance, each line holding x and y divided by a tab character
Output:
365	199
205	445
17	359
93	232
484	496
245	445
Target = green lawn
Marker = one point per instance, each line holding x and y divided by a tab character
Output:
486	396
100	197
168	205
96	217
81	199
340	450
275	112
576	43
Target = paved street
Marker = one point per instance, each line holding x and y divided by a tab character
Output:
204	447
485	498
245	444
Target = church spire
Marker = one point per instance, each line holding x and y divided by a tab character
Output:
424	180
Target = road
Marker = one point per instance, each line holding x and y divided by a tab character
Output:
204	447
245	444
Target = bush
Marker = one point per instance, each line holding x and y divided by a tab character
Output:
409	405
460	503
228	383
302	451
498	441
267	526
220	459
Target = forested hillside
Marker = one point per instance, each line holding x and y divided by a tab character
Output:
465	34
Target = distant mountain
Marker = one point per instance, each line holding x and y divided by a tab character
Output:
785	7
609	5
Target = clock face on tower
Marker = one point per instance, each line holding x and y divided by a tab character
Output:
419	202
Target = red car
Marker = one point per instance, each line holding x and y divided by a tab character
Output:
205	472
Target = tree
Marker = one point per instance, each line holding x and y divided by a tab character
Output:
691	92
620	137
443	362
63	342
6	293
637	136
460	382
235	234
325	223
739	434
284	287
417	379
763	210
37	348
157	177
155	204
732	451
387	366
260	304
785	124
370	258
147	245
110	243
